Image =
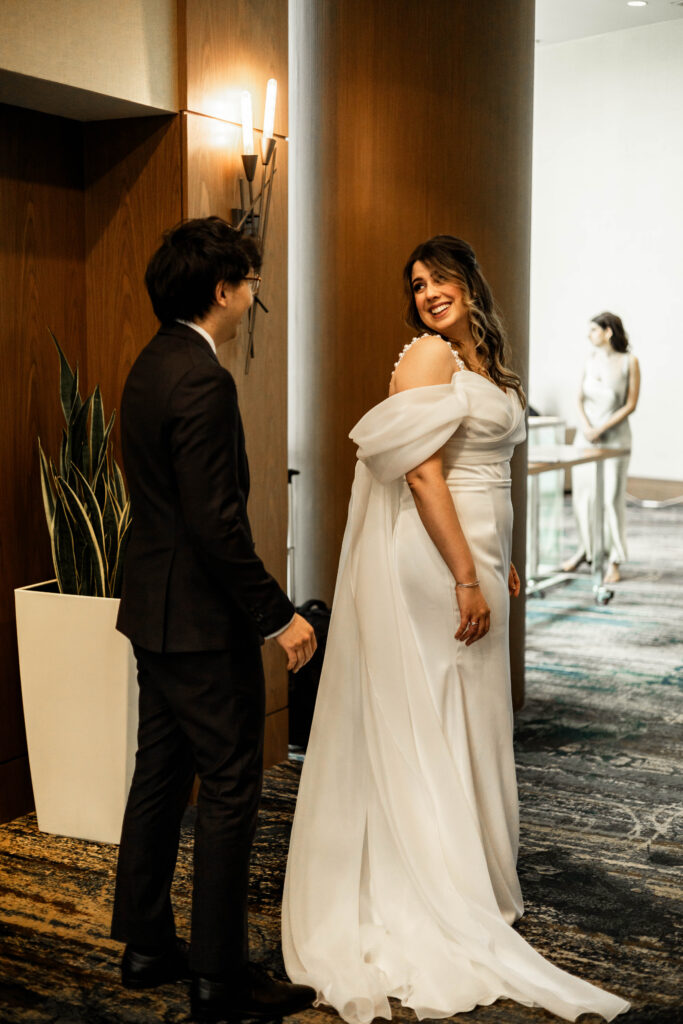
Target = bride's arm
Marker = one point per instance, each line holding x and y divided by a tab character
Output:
430	362
435	507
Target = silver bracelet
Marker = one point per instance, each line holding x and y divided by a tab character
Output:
475	584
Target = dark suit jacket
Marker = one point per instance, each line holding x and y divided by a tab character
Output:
192	580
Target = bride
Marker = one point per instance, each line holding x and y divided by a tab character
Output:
401	879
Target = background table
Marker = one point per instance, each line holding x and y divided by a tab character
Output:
554	458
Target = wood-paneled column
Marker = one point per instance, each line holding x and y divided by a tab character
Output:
406	122
224	49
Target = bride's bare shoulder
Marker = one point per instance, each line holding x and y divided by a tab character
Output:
425	360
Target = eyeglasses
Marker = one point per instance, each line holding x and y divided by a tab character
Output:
254	282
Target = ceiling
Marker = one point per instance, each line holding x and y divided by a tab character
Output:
560	20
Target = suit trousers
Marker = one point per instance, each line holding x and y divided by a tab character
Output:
200	712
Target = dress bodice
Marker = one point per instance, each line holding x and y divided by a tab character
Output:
476	422
604	390
478	452
492	424
491	429
605	385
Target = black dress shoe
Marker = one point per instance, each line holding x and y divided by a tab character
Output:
256	996
147	970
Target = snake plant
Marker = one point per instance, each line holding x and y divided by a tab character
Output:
86	506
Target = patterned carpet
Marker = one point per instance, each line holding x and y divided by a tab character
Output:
602	826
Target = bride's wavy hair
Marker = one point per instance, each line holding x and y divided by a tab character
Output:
456	261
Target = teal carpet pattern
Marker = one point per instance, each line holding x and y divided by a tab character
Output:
598	749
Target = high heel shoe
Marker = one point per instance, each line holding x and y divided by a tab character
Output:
573	563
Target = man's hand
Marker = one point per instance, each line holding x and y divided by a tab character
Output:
298	642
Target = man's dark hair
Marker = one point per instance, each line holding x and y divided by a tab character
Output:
193	258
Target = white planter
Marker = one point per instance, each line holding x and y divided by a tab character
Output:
79	688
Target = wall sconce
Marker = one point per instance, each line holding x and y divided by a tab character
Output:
251	217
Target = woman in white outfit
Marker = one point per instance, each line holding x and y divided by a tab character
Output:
608	396
401	879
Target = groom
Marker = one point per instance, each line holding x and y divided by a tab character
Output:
197	603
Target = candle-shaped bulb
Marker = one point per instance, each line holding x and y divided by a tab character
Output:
269	114
247	124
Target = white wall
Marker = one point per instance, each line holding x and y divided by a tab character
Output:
123	51
607	224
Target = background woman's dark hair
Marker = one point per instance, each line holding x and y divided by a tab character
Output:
193	258
455	260
619	339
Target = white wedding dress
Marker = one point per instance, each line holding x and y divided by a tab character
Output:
401	878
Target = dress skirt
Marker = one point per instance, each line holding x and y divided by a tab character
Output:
470	686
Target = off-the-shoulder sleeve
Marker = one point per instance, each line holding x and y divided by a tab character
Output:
405	429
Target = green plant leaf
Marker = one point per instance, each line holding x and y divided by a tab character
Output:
86	533
63	552
46	488
96	429
85	575
63	452
99	482
77	445
112	420
68	381
85	501
110	520
101	465
124	537
124	518
119	485
75	395
90	503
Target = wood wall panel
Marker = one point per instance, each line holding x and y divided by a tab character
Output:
82	209
132	195
213	166
408	145
42	284
276	737
230	47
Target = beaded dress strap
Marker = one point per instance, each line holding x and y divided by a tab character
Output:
409	344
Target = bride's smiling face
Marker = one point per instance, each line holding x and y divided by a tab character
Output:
439	301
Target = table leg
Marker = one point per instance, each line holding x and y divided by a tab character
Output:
534	527
598	526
